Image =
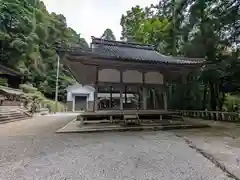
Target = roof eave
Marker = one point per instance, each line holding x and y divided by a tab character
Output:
10	71
92	55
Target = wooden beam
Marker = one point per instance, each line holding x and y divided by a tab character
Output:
134	65
130	84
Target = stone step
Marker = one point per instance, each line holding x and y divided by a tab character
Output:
14	117
12	120
9	114
12	113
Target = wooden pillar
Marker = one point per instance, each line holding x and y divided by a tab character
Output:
154	98
125	94
121	90
165	100
110	102
121	98
95	105
144	98
139	98
183	92
144	93
184	79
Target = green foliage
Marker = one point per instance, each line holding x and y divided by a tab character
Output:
28	88
131	23
29	35
108	35
193	28
231	101
32	94
3	82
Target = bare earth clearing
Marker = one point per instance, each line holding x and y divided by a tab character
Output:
31	150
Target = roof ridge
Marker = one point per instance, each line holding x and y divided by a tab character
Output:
122	43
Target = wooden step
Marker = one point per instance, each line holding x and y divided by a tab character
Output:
131	116
131	119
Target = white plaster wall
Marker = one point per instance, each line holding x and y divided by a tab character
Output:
91	96
69	96
132	76
78	90
153	78
109	75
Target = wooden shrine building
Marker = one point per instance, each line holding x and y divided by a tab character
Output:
125	69
12	77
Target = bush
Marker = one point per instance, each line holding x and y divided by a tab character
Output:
28	88
33	95
231	101
52	106
3	82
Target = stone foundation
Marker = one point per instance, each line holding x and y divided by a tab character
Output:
90	105
69	106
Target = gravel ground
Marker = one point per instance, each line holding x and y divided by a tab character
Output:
31	150
223	144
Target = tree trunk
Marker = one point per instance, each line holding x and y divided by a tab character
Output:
222	101
212	96
204	97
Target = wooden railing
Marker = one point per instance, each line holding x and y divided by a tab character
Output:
212	115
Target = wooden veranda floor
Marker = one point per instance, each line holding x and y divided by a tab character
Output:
118	114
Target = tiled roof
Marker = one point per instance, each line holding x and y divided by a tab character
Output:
131	51
6	70
135	51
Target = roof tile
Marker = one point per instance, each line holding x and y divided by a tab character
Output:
131	51
134	51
